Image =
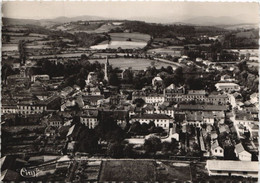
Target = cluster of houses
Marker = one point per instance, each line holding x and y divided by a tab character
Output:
43	100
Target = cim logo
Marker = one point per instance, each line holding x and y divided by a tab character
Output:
28	173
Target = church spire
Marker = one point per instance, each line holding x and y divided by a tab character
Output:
106	72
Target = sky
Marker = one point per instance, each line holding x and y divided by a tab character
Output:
129	10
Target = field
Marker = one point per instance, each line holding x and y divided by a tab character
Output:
124	41
128	170
25	38
166	50
145	170
13	33
248	34
121	44
9	47
135	37
91	28
38	35
64	55
253	64
135	64
37	46
174	171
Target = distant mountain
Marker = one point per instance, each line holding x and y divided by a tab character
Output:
223	21
48	22
14	21
213	21
78	18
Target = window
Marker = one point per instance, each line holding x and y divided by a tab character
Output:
216	150
219	171
220	150
244	173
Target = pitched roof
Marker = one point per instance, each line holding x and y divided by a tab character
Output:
196	92
55	118
149	107
152	116
71	130
224	128
215	145
202	107
244	116
239	148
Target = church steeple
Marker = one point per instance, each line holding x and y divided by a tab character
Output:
106	72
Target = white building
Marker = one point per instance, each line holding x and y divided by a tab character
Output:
227	87
156	99
242	154
160	120
232	168
216	150
44	77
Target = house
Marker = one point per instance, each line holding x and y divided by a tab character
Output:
149	109
121	117
242	154
170	111
216	150
173	93
92	100
160	120
217	99
89	118
226	78
27	107
227	87
254	98
138	94
195	119
199	60
223	129
196	107
232	168
9	107
44	77
253	129
92	79
155	99
50	131
245	118
66	91
55	121
95	91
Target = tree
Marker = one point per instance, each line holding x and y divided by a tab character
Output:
81	83
166	146
152	144
115	150
139	102
83	57
178	76
135	128
21	49
113	79
128	76
128	151
88	142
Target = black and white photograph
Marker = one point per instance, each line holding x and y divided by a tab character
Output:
129	91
